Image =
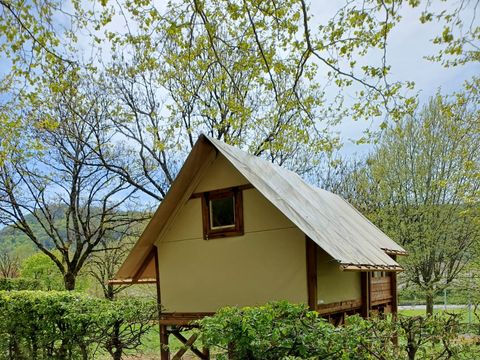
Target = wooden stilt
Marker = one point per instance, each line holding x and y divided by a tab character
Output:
393	279
231	350
188	345
206	352
164	350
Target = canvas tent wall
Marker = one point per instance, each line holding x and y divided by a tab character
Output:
333	224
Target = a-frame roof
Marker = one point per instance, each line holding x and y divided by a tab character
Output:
331	222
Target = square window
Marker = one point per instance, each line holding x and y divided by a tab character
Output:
222	212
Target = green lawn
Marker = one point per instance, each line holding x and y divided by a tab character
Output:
464	314
150	348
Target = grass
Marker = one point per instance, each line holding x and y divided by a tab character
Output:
463	313
150	348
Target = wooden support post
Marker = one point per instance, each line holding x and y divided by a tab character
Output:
206	352
188	345
311	259
365	285
393	286
230	351
393	289
164	350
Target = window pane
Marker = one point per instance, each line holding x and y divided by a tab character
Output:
222	212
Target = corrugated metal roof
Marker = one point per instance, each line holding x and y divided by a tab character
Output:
330	221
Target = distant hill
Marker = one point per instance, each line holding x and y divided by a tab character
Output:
11	238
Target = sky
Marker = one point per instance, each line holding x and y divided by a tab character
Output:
408	45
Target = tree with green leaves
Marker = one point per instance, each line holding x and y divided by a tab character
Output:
41	268
253	73
421	185
57	186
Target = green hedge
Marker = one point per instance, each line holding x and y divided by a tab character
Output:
284	331
67	325
19	284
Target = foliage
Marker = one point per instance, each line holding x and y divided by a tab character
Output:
460	35
252	73
285	331
9	264
41	268
125	322
68	325
13	238
19	283
59	187
272	331
420	186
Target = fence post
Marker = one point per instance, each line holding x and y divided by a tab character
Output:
445	299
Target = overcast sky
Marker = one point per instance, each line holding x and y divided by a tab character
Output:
408	44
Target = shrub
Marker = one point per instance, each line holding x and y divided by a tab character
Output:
66	325
284	331
274	331
18	284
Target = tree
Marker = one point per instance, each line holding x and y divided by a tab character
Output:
9	264
41	268
421	187
77	204
105	262
252	73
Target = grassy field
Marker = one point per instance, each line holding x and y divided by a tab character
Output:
463	312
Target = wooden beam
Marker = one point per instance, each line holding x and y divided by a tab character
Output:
365	290
141	269
239	187
157	280
394	290
311	262
131	281
354	267
188	344
164	352
182	318
341	306
395	252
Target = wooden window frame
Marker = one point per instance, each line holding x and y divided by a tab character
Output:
237	229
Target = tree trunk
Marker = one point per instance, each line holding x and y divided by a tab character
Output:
109	292
69	281
429	303
115	345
